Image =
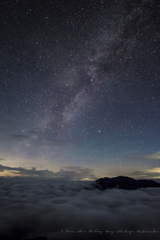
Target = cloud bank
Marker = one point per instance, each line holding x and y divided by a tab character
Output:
147	173
31	207
153	156
71	173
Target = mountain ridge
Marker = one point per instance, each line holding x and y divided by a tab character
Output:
124	182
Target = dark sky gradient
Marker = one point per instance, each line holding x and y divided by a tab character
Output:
80	88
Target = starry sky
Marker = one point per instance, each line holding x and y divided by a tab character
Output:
80	88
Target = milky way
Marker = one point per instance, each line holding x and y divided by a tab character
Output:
80	84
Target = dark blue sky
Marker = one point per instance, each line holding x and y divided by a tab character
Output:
80	86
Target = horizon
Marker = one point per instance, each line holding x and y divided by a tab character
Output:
46	174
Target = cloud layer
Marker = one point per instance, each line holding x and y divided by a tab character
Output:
147	173
32	207
70	173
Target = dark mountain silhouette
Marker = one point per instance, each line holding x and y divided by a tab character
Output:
124	183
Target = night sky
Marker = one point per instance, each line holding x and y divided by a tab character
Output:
80	88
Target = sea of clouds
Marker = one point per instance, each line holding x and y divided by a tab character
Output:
31	207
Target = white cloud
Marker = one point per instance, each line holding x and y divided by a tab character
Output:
71	173
155	156
31	207
147	173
